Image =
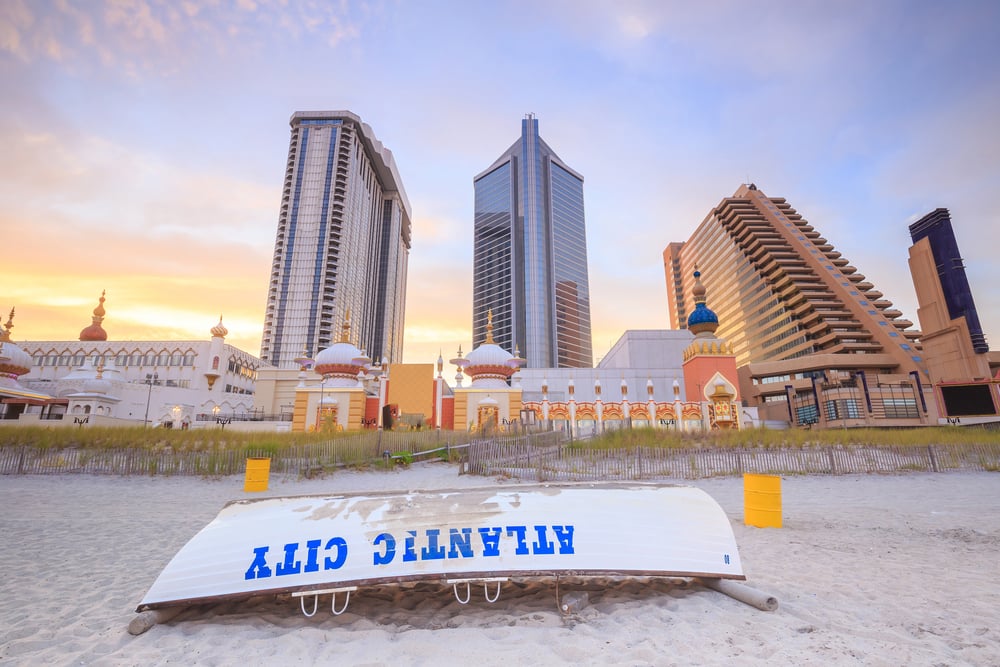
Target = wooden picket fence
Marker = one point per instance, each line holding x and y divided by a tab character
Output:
547	458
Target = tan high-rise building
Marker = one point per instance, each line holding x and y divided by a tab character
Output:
797	314
343	242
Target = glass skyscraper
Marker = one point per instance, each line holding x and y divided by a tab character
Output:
530	264
342	244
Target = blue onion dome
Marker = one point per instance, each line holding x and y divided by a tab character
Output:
702	319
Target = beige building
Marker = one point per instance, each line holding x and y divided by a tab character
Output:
814	341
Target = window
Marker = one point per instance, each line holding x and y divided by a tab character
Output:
900	408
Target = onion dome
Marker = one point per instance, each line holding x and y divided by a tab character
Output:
703	324
489	365
95	332
341	362
702	319
219	330
14	361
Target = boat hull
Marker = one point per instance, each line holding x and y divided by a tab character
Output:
321	542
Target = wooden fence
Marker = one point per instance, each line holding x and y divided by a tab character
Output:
548	459
542	456
349	450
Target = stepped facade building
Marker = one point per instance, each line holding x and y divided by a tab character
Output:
814	340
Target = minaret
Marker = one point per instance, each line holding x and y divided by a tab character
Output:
709	363
219	333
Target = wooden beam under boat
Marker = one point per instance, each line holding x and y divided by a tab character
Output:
339	541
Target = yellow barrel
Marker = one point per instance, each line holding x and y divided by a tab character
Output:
258	471
762	500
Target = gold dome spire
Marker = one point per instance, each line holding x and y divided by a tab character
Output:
219	330
489	328
345	328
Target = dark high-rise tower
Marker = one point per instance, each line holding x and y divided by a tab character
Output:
342	245
936	228
530	265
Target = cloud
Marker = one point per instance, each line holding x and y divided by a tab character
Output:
15	20
173	245
101	184
148	39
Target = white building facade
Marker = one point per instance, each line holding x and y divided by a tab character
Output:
159	383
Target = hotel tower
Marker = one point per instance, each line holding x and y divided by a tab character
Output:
342	246
798	315
530	256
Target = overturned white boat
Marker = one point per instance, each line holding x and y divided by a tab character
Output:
328	544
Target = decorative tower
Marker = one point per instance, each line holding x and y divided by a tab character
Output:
14	362
339	403
489	400
219	333
710	365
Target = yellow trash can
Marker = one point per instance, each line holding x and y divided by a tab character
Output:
762	500
258	471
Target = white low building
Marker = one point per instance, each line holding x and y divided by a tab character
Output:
170	383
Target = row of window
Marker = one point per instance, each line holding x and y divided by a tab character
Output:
122	359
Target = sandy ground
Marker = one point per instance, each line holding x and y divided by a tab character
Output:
868	570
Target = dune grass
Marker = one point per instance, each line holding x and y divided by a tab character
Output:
790	439
101	438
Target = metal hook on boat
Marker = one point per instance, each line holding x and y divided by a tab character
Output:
301	595
468	592
486	587
333	603
302	603
486	592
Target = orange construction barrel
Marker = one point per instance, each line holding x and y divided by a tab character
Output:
762	500
258	471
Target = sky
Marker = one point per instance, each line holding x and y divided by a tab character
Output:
143	143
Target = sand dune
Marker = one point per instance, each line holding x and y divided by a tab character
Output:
874	570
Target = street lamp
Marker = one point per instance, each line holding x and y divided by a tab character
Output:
320	413
151	379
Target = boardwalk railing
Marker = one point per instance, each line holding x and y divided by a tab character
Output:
548	459
306	459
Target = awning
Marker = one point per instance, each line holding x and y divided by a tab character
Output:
32	400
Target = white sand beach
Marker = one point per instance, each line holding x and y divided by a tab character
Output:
868	570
